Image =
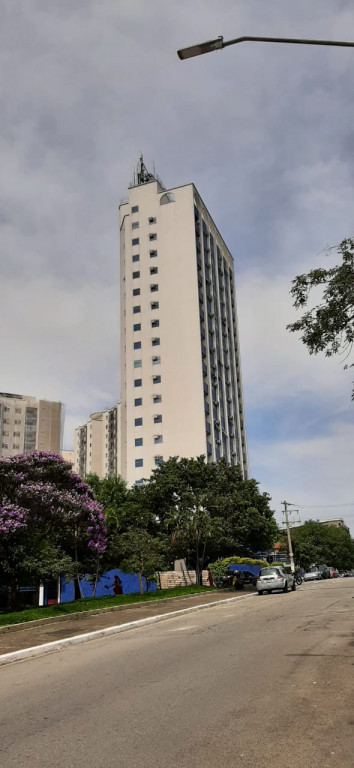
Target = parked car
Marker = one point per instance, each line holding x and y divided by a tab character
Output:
313	574
273	578
235	578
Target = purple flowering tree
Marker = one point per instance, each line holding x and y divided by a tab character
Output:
49	521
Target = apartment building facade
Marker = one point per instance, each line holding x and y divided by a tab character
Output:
181	385
28	424
96	444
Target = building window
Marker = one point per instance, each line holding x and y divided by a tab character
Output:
157	439
17	434
156	379
154	287
135	209
158	418
156	360
138	441
138	401
6	408
152	219
154	270
152	236
153	254
157	398
154	305
135	241
138	382
137	327
155	323
135	225
137	344
17	410
137	363
5	445
158	461
136	309
138	422
136	257
17	421
155	342
136	275
136	291
138	462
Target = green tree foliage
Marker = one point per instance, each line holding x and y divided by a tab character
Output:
317	543
112	493
329	326
140	552
209	510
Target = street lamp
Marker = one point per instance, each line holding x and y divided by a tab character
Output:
219	43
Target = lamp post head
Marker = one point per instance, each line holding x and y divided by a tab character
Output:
197	50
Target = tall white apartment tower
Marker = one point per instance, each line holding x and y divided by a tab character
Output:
181	387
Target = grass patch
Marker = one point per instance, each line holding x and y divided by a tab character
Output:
93	603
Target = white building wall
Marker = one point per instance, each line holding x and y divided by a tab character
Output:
97	444
182	407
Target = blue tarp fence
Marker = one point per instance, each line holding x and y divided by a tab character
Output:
130	585
254	569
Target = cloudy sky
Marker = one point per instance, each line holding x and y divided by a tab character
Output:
266	134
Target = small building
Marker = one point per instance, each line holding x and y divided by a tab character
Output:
28	425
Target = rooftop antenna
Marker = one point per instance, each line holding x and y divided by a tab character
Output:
142	173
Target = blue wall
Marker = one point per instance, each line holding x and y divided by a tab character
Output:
130	585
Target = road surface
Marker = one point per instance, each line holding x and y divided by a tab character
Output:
265	681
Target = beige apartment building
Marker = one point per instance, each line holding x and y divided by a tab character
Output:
181	386
28	424
96	444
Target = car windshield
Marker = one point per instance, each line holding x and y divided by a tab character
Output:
313	570
269	571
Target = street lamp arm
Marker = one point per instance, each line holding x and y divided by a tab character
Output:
219	43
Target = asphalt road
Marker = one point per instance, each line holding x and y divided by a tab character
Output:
265	681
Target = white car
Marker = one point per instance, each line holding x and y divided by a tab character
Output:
313	575
273	578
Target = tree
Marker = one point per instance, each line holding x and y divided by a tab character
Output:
209	510
49	520
141	553
329	326
317	543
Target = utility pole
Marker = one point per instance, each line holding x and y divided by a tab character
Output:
291	555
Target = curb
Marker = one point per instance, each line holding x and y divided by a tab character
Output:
92	612
56	645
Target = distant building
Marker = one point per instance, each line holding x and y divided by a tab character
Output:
68	456
337	522
181	384
96	444
28	424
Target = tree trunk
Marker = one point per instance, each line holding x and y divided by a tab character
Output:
13	594
141	586
95	579
77	589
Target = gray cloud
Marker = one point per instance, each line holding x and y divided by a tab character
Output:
265	132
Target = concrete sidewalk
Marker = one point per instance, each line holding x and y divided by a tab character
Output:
24	636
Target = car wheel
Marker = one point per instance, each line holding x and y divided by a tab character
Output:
286	587
293	587
260	592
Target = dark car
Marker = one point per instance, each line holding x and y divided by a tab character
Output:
236	579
